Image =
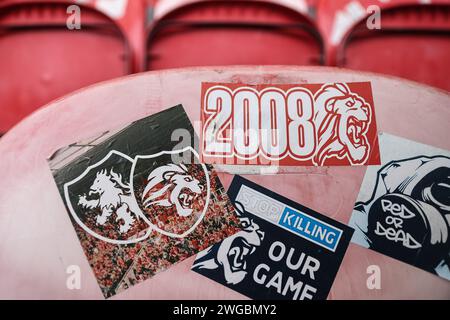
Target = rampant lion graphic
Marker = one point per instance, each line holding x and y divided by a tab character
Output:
113	196
342	119
172	185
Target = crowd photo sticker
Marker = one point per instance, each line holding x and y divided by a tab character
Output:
289	125
140	201
285	251
403	207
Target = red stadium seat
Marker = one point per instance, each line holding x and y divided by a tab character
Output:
233	32
413	42
40	59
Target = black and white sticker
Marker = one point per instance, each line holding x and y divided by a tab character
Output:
285	250
403	207
140	200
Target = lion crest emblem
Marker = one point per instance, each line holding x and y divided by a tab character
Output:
180	189
122	200
111	194
173	196
342	119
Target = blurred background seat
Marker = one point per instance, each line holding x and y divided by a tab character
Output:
40	59
413	42
203	33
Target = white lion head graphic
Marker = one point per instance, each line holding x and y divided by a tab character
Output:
342	119
232	253
172	185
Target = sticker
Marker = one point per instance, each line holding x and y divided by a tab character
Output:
403	207
289	125
285	250
139	201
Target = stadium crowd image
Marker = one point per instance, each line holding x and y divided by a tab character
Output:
225	150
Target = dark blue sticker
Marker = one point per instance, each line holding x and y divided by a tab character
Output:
284	251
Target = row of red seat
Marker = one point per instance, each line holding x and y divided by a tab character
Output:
40	59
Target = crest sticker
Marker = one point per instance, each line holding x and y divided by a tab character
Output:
140	201
173	198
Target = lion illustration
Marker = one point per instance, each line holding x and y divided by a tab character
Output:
179	189
113	196
232	252
342	119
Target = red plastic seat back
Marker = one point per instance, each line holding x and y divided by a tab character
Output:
233	32
40	59
414	43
